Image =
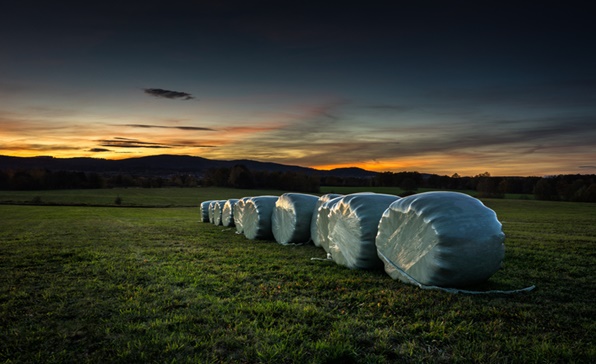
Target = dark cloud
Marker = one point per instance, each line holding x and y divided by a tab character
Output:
130	143
168	94
99	150
587	167
198	128
36	147
119	142
189	143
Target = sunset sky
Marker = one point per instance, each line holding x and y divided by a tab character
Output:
430	86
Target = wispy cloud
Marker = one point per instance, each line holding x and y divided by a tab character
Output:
251	129
120	142
168	94
332	134
185	143
130	143
38	147
148	126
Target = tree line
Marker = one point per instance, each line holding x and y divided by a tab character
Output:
240	176
43	179
237	177
577	188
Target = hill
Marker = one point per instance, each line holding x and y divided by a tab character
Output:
163	165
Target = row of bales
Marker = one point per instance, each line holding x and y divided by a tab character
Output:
441	239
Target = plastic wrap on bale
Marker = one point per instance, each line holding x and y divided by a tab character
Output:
205	211
353	223
290	221
217	209
320	220
227	214
238	212
211	208
256	217
444	239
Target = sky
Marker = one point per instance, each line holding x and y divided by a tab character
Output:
440	87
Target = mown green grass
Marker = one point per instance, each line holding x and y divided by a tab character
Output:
107	284
168	197
154	197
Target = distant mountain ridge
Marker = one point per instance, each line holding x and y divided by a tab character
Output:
164	164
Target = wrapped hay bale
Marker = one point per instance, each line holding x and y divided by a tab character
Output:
444	239
353	224
205	211
290	222
211	207
256	217
238	212
217	209
320	220
227	214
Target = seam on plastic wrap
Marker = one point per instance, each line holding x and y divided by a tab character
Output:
450	290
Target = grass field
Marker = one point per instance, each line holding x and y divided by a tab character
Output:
168	197
136	197
112	284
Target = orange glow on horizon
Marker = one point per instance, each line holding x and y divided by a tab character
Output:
448	165
436	165
376	167
412	164
251	142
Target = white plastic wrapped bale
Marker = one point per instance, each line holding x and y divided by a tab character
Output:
217	209
211	208
238	212
256	217
227	214
353	224
290	222
444	239
319	221
205	211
